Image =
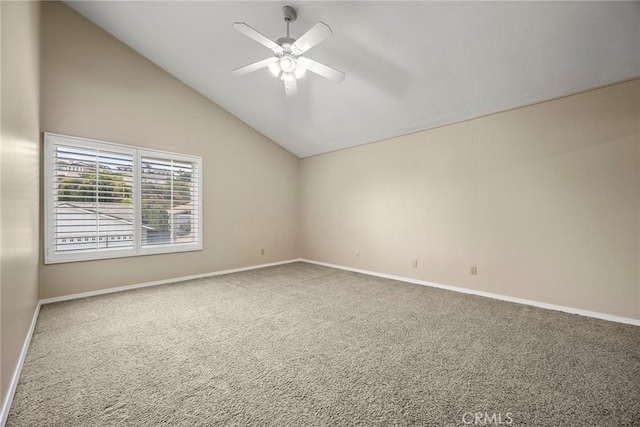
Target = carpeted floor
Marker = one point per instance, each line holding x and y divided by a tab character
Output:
304	345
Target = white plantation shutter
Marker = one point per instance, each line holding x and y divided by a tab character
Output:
91	202
107	200
169	200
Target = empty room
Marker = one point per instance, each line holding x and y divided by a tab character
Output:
320	213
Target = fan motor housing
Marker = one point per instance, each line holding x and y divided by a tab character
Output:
285	42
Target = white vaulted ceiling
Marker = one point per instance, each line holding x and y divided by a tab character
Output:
409	66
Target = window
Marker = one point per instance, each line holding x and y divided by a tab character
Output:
106	200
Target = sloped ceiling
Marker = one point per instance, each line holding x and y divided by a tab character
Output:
410	65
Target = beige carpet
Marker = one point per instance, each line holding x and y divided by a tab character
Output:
303	345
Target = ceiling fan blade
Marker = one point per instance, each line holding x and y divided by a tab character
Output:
315	35
263	40
324	70
290	85
253	67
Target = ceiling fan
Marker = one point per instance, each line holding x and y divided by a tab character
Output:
288	64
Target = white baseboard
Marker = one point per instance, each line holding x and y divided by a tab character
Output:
160	282
539	304
6	404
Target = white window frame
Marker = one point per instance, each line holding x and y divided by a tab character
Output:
51	257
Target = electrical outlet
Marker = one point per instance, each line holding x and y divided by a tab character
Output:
415	263
474	270
357	254
262	251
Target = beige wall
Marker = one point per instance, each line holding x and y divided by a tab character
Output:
94	86
19	179
543	199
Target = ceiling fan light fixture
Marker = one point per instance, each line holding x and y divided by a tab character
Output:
287	63
301	68
275	69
